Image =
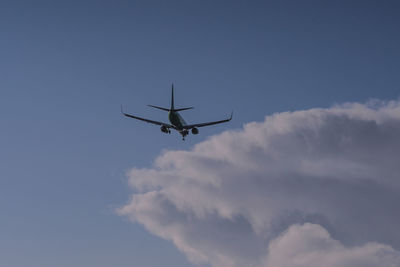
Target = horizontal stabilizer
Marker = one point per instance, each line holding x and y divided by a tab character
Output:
165	109
180	109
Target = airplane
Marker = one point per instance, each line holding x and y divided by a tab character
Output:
176	121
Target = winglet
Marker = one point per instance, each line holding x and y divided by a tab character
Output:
122	110
231	115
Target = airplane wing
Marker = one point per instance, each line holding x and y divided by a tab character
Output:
147	120
207	123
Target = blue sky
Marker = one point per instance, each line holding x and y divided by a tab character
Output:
66	66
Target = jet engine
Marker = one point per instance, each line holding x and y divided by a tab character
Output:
165	129
195	130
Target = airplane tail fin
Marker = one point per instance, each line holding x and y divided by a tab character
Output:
172	102
172	97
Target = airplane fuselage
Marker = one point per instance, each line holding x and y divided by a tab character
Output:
176	120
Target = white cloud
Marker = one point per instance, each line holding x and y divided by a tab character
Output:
225	200
311	245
